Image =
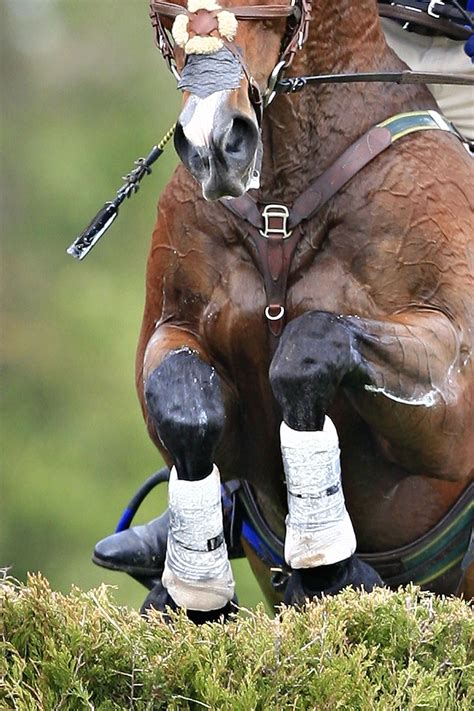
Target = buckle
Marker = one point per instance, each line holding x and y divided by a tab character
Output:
431	7
276	221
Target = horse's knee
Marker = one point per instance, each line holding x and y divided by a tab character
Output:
184	400
315	353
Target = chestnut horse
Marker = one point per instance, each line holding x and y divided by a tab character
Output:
379	307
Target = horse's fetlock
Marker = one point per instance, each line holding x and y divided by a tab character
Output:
319	530
197	571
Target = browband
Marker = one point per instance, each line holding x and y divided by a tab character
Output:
297	14
254	12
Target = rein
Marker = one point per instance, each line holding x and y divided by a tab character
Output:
291	85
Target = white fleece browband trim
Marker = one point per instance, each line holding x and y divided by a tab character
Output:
197	572
318	528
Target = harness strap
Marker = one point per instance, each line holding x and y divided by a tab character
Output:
442	551
276	230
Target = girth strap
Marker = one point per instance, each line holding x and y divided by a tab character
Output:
276	230
443	553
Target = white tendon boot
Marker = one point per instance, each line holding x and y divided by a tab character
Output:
318	528
197	571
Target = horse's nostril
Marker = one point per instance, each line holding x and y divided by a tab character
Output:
181	143
222	163
195	157
241	136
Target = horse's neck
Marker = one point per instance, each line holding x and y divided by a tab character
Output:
304	133
344	35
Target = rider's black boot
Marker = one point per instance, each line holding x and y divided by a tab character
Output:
139	550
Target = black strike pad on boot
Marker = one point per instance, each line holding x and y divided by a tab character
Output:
306	584
140	550
183	397
159	599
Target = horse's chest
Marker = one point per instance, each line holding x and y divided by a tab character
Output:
234	323
326	285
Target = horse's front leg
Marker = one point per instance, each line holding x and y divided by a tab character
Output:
409	376
315	354
184	406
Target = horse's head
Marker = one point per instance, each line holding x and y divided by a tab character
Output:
224	57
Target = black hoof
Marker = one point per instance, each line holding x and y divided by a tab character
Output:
222	615
305	585
159	599
139	550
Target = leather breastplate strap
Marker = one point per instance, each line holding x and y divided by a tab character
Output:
276	230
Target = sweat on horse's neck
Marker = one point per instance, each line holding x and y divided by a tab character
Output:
304	133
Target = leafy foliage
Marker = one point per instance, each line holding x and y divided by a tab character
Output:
405	650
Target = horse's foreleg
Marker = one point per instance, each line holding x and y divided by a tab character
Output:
312	357
407	377
184	403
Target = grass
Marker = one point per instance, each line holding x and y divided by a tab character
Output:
387	650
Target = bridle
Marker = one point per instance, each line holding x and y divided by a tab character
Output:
297	14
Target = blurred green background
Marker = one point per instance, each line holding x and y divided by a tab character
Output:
84	93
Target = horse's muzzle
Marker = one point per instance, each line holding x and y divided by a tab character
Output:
219	151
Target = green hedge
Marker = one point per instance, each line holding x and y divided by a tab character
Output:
404	650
